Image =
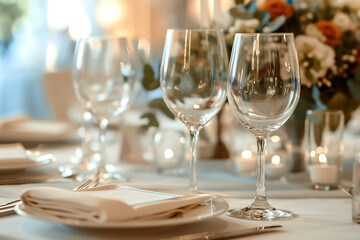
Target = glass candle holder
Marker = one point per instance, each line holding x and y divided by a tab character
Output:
170	150
356	190
324	148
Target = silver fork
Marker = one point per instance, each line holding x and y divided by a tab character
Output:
9	207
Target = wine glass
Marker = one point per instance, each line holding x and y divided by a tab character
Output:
263	91
103	83
193	80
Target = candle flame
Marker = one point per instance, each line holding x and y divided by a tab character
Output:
319	150
322	158
246	154
275	160
168	153
312	153
275	138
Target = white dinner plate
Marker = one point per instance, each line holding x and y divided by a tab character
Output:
216	207
39	160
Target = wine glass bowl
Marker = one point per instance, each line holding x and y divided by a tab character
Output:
102	75
103	83
193	80
263	91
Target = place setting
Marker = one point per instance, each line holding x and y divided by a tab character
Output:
204	120
15	158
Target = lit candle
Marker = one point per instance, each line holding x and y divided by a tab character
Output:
323	173
275	169
245	161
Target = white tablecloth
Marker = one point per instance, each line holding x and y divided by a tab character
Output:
318	214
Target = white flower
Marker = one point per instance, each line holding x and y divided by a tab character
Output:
224	20
312	31
311	49
343	22
241	25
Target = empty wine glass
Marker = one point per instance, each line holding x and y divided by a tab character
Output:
193	80
263	91
103	83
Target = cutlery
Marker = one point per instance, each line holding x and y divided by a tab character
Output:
230	234
8	208
347	190
89	183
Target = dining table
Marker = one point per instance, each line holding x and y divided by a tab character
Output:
317	214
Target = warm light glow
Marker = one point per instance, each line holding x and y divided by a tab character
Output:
275	138
253	148
322	158
168	153
312	153
246	154
196	106
51	56
56	18
108	12
68	14
275	160
79	25
319	150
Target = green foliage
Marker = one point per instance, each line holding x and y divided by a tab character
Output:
150	83
11	13
152	121
159	104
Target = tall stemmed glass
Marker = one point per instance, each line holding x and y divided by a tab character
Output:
193	80
103	83
263	91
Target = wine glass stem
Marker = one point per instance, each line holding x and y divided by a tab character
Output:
103	123
260	186
86	148
193	178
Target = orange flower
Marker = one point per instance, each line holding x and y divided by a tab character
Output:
330	31
277	8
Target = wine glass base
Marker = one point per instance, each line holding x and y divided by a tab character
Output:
110	177
260	214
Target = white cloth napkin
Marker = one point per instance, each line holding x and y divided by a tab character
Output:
12	155
110	203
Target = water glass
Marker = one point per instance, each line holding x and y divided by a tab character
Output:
356	190
324	148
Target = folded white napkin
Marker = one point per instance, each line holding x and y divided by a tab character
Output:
12	155
110	203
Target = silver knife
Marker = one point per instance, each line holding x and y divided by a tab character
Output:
231	234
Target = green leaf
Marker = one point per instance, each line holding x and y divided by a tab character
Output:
159	103
152	121
149	82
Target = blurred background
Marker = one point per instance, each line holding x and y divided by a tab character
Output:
37	40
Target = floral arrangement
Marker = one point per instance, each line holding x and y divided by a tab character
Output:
327	38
